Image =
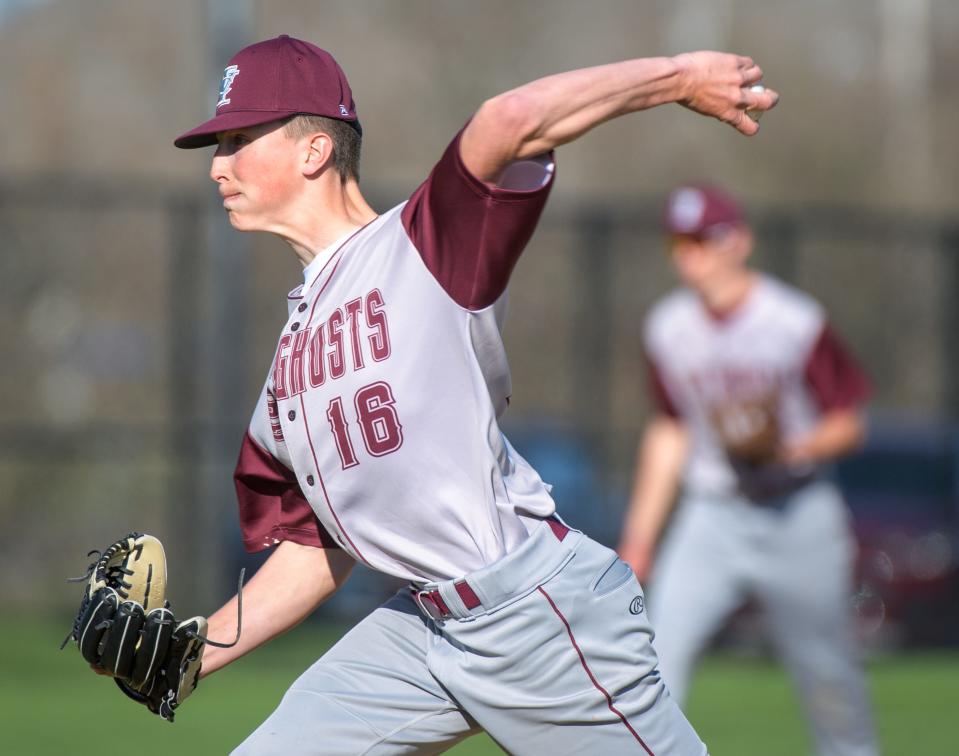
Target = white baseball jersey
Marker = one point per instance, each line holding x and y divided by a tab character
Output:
776	344
376	430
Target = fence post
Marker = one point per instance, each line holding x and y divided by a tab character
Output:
591	334
949	249
183	357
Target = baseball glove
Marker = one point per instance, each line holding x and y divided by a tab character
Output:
748	430
126	629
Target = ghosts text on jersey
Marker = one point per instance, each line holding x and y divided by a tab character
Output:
351	335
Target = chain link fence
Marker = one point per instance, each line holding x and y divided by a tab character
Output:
121	346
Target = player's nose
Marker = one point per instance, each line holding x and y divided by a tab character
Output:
219	166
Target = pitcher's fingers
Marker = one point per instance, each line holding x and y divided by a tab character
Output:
744	124
762	100
759	98
752	74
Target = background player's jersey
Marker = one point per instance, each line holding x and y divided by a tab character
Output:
377	428
777	345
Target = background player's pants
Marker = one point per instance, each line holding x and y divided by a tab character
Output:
556	661
796	559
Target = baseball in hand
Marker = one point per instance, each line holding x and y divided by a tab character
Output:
756	114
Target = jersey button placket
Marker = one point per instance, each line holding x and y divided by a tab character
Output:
291	415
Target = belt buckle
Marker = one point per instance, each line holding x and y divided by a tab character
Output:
428	606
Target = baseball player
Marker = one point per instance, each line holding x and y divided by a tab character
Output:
375	438
753	395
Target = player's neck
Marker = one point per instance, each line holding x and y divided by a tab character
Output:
319	218
727	294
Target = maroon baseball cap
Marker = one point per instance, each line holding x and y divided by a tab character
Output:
274	79
696	209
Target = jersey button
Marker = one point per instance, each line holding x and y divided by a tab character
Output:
310	480
301	307
294	327
291	414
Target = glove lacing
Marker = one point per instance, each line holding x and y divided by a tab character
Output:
113	576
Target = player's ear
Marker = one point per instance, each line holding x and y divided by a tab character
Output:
318	153
748	241
740	241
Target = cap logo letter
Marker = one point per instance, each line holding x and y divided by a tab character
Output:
343	110
687	208
229	74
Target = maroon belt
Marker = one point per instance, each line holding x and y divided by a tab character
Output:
431	603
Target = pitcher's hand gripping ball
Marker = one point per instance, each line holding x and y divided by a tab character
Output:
126	629
756	114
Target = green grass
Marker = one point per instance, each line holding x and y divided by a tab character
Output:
739	706
50	703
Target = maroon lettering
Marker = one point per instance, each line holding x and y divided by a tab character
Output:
733	383
317	361
274	414
337	363
305	358
379	424
341	435
280	364
297	382
353	308
376	319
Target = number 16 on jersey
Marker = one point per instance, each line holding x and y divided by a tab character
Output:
379	425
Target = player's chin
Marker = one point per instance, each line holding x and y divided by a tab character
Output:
239	221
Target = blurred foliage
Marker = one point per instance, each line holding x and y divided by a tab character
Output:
109	283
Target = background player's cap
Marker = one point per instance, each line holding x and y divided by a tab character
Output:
274	79
695	210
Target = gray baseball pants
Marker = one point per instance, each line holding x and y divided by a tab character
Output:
556	658
795	557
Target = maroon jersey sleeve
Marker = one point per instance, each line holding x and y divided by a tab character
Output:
272	507
833	375
470	234
662	402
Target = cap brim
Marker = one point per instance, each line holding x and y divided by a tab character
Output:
204	135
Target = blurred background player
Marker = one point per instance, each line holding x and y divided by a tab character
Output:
754	394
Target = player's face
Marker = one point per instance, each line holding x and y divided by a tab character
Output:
702	262
255	169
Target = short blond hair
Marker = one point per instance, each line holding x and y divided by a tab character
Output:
345	136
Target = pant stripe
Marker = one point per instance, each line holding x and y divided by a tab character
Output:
600	688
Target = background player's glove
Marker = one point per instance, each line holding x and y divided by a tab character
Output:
125	627
748	430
